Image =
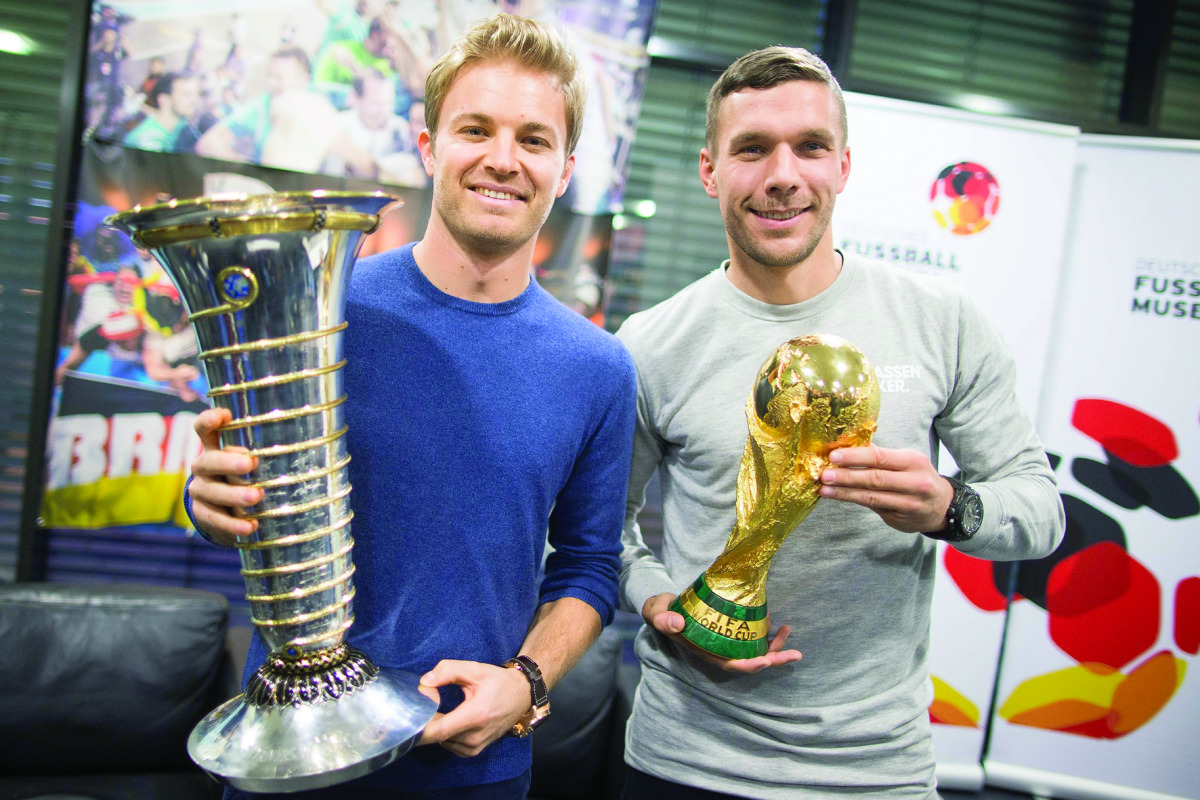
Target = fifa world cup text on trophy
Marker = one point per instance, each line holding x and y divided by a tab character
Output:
814	394
264	280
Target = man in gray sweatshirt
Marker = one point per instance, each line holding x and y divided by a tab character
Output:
855	580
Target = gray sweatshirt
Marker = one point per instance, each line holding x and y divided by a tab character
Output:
851	718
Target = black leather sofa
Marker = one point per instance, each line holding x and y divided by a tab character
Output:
100	686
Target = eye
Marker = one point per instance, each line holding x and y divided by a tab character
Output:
536	141
751	150
473	131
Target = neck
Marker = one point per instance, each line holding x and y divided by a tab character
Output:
787	285
460	271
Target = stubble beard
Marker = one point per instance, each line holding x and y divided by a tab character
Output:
486	242
753	247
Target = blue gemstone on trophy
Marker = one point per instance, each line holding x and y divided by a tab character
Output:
237	286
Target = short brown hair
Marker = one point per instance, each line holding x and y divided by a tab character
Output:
509	37
763	69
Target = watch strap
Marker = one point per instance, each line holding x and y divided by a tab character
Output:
539	695
954	531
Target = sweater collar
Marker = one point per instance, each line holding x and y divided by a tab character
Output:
753	307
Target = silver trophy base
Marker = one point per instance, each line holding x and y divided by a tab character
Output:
295	748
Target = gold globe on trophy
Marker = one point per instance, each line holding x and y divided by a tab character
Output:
815	394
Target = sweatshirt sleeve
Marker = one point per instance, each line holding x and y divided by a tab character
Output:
586	520
995	445
642	574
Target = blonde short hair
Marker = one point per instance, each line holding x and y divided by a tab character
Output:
507	37
767	68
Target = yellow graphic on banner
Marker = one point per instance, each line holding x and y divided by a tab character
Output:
951	707
1094	699
128	500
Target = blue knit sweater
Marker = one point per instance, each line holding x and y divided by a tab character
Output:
474	429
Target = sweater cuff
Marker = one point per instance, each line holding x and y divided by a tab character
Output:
603	608
187	507
641	583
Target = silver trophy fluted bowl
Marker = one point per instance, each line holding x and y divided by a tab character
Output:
264	281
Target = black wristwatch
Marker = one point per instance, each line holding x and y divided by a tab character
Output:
539	696
963	517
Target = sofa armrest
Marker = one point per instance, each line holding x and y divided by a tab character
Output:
105	678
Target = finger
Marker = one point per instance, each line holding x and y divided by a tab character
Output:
752	665
866	456
218	523
432	730
430	692
208	422
461	750
217	492
779	639
668	622
656	605
449	671
878	501
462	724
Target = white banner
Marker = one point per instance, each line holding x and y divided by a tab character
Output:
982	201
1094	698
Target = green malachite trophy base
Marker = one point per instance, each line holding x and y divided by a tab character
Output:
719	626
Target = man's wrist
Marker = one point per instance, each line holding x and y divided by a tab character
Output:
539	695
963	516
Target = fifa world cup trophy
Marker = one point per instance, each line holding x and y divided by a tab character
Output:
264	280
813	395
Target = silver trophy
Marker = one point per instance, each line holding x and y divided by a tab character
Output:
264	280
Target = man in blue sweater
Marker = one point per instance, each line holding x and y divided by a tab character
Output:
482	413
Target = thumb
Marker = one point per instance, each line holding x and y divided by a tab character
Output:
431	692
668	622
447	671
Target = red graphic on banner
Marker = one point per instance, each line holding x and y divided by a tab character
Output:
974	576
1187	615
965	198
1131	435
1103	606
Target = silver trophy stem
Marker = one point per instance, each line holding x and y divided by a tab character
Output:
264	280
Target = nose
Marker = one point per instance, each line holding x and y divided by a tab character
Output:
783	173
501	156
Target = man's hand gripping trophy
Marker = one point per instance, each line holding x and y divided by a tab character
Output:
815	394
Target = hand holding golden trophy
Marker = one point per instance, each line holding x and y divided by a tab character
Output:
815	394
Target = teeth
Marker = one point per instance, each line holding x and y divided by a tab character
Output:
778	214
497	195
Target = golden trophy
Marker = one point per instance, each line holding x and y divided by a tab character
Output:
815	394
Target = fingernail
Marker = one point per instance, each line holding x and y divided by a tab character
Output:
825	491
251	496
836	456
828	476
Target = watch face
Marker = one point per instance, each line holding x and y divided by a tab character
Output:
972	514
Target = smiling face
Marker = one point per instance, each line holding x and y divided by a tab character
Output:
498	159
778	162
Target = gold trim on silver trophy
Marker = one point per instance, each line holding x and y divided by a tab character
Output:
264	279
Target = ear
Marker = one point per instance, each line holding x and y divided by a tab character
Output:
425	146
708	175
568	170
845	167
